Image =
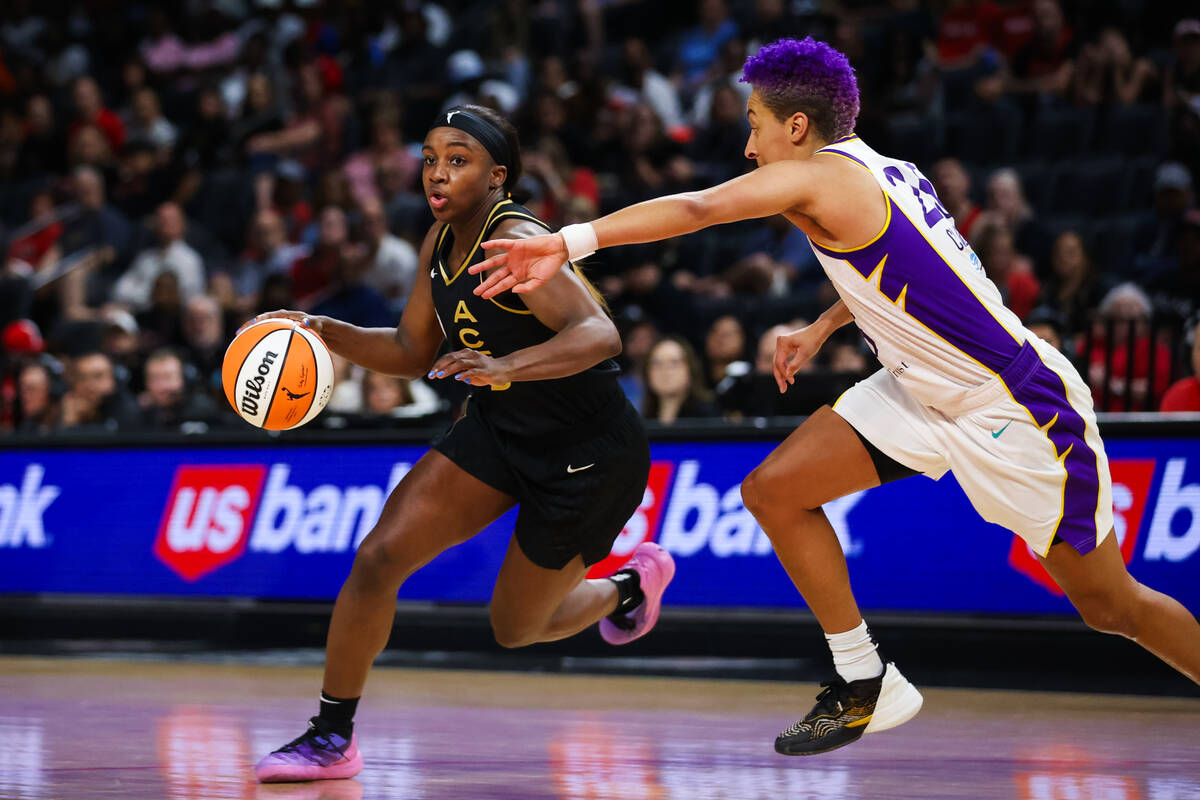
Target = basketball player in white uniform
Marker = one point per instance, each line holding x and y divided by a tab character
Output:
964	386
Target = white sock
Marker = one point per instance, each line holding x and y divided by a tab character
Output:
854	654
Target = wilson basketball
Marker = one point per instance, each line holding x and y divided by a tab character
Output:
277	374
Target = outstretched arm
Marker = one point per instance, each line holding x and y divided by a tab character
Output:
525	264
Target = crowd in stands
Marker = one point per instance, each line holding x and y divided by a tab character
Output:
169	170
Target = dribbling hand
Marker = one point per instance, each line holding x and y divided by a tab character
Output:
313	323
522	265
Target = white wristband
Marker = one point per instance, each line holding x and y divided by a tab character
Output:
581	240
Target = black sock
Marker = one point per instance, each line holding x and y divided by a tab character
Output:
339	713
629	591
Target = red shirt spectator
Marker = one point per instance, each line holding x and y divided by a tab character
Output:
965	26
90	110
1184	395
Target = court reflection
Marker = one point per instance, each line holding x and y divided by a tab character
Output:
203	755
1068	772
21	759
603	760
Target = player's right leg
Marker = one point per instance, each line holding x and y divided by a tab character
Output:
436	506
822	460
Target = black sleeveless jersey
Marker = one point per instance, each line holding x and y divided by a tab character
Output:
502	325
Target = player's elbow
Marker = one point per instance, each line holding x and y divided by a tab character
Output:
607	340
699	208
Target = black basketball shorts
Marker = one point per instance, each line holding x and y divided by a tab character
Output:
576	490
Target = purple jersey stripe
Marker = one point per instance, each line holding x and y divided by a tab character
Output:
936	296
1042	391
844	154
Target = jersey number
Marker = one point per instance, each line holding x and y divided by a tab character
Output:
923	190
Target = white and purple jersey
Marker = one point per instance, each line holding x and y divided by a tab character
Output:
937	323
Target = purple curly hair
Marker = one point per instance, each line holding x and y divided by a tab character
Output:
805	75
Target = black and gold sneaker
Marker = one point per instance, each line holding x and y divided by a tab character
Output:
845	711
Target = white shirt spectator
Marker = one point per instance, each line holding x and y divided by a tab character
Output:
658	93
393	270
133	288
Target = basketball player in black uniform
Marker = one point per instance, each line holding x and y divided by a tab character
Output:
547	428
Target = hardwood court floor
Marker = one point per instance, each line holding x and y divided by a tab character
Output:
81	729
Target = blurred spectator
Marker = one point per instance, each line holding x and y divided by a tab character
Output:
953	186
90	111
204	340
98	224
1156	240
168	402
1073	288
161	323
147	124
1046	65
720	139
268	252
725	348
386	153
44	146
848	357
312	276
637	339
640	83
725	73
39	391
94	399
38	247
1119	360
170	254
347	396
1009	270
1007	204
1181	91
675	383
206	142
313	134
1047	324
391	262
1176	291
1184	394
698	47
1108	72
385	395
120	340
561	182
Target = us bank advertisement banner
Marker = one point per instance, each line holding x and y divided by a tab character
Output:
284	521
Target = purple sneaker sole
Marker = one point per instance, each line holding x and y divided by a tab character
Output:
286	767
655	569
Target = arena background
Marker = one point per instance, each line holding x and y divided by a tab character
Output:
165	173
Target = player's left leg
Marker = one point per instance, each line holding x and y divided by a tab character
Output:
1110	600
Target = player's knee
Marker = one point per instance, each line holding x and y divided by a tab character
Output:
513	633
767	491
378	566
1108	613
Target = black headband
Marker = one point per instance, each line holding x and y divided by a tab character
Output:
487	134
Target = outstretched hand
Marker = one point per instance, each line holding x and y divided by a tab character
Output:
522	265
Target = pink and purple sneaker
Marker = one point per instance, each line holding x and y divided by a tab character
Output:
317	754
655	569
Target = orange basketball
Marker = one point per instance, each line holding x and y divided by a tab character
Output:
277	374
